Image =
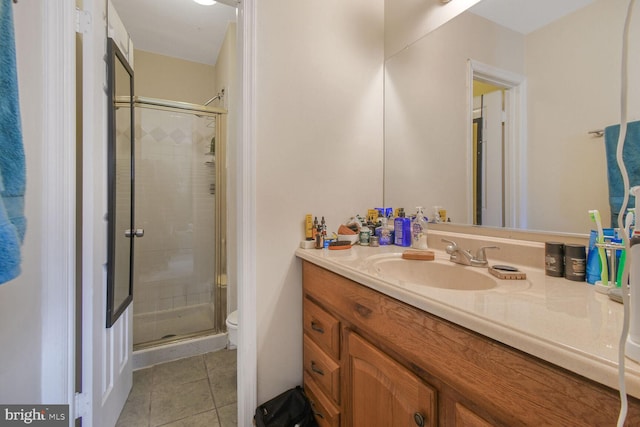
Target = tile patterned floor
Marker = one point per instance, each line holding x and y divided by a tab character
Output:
196	391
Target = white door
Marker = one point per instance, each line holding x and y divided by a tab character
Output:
106	352
493	170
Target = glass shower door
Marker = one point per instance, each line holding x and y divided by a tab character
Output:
175	292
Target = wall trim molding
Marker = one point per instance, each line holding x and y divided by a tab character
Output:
58	203
246	216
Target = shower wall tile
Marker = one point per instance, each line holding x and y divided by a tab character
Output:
179	301
165	304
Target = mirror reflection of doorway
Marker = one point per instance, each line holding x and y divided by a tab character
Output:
489	120
497	188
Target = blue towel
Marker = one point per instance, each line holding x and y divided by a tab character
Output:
12	161
631	157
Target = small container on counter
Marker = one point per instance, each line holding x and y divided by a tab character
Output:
365	236
554	259
575	262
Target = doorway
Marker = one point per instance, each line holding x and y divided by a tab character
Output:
488	148
497	143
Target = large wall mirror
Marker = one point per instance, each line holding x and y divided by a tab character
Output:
120	184
557	72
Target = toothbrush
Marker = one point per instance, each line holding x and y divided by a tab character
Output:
595	216
628	222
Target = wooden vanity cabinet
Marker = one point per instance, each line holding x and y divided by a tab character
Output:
396	365
381	392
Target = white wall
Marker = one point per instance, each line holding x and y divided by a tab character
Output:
226	73
21	298
319	151
408	20
574	87
426	106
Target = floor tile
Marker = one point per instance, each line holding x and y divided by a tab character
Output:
142	381
228	415
174	403
223	360
224	388
192	392
136	411
179	372
205	419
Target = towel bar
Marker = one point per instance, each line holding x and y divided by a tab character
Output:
598	133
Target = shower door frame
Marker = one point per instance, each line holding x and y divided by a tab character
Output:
220	210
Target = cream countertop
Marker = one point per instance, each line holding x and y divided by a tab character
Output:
557	320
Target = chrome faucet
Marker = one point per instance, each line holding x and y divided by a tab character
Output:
464	257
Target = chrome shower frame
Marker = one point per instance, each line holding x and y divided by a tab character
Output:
220	220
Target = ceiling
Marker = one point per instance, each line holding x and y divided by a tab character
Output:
177	28
187	30
525	16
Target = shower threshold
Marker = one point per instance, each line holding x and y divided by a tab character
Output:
165	350
172	338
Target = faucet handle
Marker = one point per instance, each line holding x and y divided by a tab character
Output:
451	247
481	255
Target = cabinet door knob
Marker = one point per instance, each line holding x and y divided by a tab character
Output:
419	419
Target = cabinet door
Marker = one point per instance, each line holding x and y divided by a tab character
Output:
384	393
464	417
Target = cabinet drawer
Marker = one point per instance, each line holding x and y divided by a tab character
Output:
323	328
326	413
322	368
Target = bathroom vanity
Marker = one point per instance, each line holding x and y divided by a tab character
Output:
380	351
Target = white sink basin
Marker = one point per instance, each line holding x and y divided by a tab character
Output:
438	274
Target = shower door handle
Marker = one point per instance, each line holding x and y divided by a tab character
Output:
138	232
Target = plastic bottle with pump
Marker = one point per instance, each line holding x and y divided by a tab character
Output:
402	229
419	230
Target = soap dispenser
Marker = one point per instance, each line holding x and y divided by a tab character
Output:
419	230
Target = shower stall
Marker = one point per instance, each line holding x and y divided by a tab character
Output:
179	276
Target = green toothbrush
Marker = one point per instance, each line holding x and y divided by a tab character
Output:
595	216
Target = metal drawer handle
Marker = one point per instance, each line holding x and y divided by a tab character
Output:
315	411
419	419
315	368
316	328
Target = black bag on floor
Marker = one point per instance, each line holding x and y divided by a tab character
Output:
289	409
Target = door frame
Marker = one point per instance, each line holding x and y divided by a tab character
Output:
515	134
245	213
59	203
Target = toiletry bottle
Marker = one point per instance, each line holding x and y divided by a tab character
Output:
402	229
319	238
314	229
384	232
554	259
364	236
419	230
323	227
308	227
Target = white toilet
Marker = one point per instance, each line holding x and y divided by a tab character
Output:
232	330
